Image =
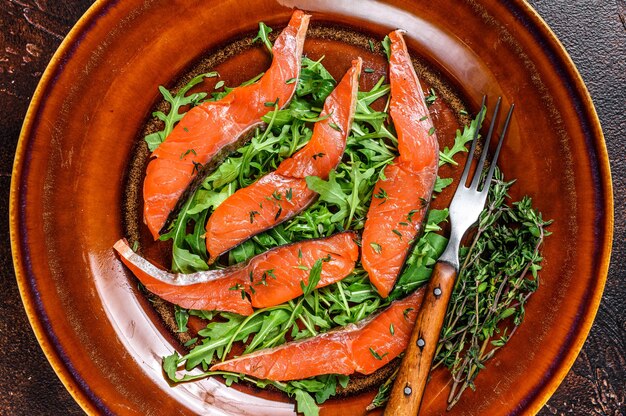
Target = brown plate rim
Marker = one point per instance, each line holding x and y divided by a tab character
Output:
44	330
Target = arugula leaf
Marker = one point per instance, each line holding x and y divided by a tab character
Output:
329	388
461	140
182	317
206	199
437	216
305	403
170	366
315	81
346	193
441	184
386	42
330	191
314	278
243	252
264	30
271	324
186	262
418	267
176	102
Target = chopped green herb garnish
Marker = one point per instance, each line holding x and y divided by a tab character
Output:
280	211
188	151
335	126
376	247
411	213
376	355
381	194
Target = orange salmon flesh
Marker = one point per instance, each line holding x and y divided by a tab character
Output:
269	279
247	212
395	217
210	127
363	347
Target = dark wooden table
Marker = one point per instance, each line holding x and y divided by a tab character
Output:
594	33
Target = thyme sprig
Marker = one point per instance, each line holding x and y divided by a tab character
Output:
498	276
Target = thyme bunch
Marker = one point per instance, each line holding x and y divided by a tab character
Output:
497	277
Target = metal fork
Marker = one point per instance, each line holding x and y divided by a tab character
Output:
465	208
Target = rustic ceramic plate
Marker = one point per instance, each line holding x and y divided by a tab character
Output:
103	338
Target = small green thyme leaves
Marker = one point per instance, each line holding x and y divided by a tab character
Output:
278	212
382	195
376	355
376	247
186	152
412	213
334	126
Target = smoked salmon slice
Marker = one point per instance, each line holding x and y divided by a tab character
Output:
212	130
268	279
400	201
363	347
283	193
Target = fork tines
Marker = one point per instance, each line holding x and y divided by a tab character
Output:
481	163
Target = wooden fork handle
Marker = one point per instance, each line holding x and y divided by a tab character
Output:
408	388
